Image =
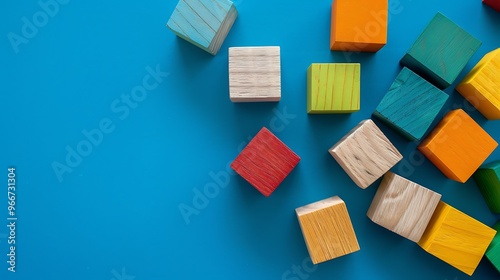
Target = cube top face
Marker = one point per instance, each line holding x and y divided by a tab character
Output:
487	178
441	51
204	23
333	88
403	206
365	153
327	229
458	146
456	238
411	105
481	88
265	162
359	25
254	74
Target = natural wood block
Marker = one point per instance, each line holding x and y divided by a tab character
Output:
456	238
204	23
487	178
493	251
265	162
441	51
481	88
458	146
333	88
359	25
411	105
365	153
254	74
403	206
495	4
327	229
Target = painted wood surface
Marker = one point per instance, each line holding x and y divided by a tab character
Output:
456	238
487	178
441	52
411	105
204	23
254	74
493	251
333	88
403	206
365	153
481	86
458	146
359	25
265	162
327	229
495	4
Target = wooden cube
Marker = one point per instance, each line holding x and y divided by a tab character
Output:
403	206
359	26
204	23
487	178
480	86
254	74
493	251
411	105
456	238
441	51
333	88
365	153
327	229
265	162
495	4
458	146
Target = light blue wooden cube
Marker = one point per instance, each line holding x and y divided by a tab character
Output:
204	23
411	105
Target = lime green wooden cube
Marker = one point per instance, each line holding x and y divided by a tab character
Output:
333	88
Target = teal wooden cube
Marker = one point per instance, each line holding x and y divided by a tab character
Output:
493	251
487	178
204	23
411	105
441	51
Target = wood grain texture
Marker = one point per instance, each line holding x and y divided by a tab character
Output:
487	178
327	229
403	206
265	162
456	238
493	251
359	25
458	146
495	4
441	52
204	23
481	86
254	74
365	153
411	105
333	88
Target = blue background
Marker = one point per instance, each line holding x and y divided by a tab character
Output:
116	214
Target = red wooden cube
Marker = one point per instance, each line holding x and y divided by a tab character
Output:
495	4
265	162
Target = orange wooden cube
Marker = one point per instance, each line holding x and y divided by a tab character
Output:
359	26
458	146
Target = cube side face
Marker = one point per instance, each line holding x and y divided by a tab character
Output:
459	144
488	182
459	240
254	74
224	29
411	105
403	206
265	162
359	25
327	231
359	154
444	49
333	88
493	251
